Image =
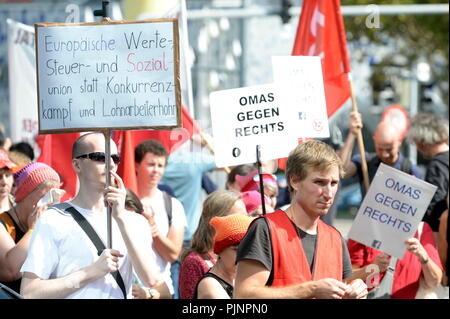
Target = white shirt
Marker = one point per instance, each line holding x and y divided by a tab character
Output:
59	247
162	221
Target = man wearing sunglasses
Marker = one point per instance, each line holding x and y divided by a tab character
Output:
63	262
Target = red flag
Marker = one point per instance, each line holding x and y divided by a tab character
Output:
321	33
56	151
172	140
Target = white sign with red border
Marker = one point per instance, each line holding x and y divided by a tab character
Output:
299	82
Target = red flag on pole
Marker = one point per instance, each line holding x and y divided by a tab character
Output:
56	151
321	33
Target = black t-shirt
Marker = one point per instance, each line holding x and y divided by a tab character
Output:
257	245
226	286
437	174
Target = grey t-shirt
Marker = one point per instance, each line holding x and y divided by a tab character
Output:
257	245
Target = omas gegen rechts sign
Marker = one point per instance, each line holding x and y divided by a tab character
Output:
391	211
121	75
246	117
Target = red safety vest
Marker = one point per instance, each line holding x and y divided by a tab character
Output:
290	264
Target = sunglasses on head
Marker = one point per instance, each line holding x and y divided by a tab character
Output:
100	157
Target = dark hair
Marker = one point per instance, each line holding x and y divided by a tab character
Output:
23	148
132	202
149	146
242	170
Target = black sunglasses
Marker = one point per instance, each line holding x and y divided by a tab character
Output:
100	157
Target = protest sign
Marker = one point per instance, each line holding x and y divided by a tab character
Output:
246	117
391	211
22	83
299	81
108	75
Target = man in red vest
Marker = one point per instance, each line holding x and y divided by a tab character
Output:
292	253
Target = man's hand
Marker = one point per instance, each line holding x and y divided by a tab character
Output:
355	123
35	214
106	263
357	289
149	214
414	246
382	261
329	288
138	292
115	196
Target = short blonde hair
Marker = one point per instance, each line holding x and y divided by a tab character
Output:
308	156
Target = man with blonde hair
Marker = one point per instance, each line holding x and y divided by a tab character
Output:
292	253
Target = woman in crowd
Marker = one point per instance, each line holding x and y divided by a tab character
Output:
419	263
32	183
6	181
218	282
199	257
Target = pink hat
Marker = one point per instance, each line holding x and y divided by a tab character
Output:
31	176
5	161
250	182
252	200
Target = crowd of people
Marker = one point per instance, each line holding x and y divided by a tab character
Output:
242	241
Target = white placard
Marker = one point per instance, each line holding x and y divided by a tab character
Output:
299	81
245	117
120	75
22	83
391	211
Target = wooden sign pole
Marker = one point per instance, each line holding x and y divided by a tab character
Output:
261	182
107	134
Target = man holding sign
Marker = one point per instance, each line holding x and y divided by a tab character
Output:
387	140
292	253
63	262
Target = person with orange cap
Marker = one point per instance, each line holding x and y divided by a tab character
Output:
6	181
32	183
291	253
199	257
218	282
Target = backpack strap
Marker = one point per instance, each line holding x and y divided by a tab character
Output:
168	206
93	236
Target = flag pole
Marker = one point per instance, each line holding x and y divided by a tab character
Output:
346	65
359	138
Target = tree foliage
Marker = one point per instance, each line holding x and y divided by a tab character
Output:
413	36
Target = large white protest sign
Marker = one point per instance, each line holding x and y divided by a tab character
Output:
245	117
121	75
22	83
391	211
299	81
